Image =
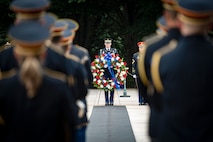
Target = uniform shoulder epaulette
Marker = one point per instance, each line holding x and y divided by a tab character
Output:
54	47
115	50
82	48
153	39
84	59
156	63
72	57
55	74
141	61
101	51
8	74
141	67
2	48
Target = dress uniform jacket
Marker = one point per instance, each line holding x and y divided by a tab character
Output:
53	61
80	77
105	51
172	34
84	58
47	117
7	63
142	90
135	64
56	65
186	76
154	100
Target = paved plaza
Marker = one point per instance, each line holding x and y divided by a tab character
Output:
138	115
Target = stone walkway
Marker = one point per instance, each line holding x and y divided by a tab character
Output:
139	115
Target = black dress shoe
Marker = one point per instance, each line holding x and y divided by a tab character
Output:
106	104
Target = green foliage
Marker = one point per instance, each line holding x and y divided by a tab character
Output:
125	21
78	1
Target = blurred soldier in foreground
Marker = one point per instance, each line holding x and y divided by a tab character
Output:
78	50
182	74
54	62
81	56
172	32
38	107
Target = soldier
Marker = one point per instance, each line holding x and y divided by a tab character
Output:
34	106
78	50
83	55
182	74
61	38
54	62
141	89
108	48
82	83
153	98
107	72
57	30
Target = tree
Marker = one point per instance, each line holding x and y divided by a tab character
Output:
125	21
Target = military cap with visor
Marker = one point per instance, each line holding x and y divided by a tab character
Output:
107	40
67	38
29	9
72	24
29	37
196	12
58	28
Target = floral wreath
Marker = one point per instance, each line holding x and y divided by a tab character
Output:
110	61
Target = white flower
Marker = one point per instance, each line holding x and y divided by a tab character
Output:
99	81
94	74
105	66
108	86
112	83
122	78
123	72
93	68
117	58
101	74
102	58
97	66
118	64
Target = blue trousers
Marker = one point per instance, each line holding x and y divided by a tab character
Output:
109	99
81	134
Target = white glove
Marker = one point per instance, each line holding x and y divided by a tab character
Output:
81	107
134	76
